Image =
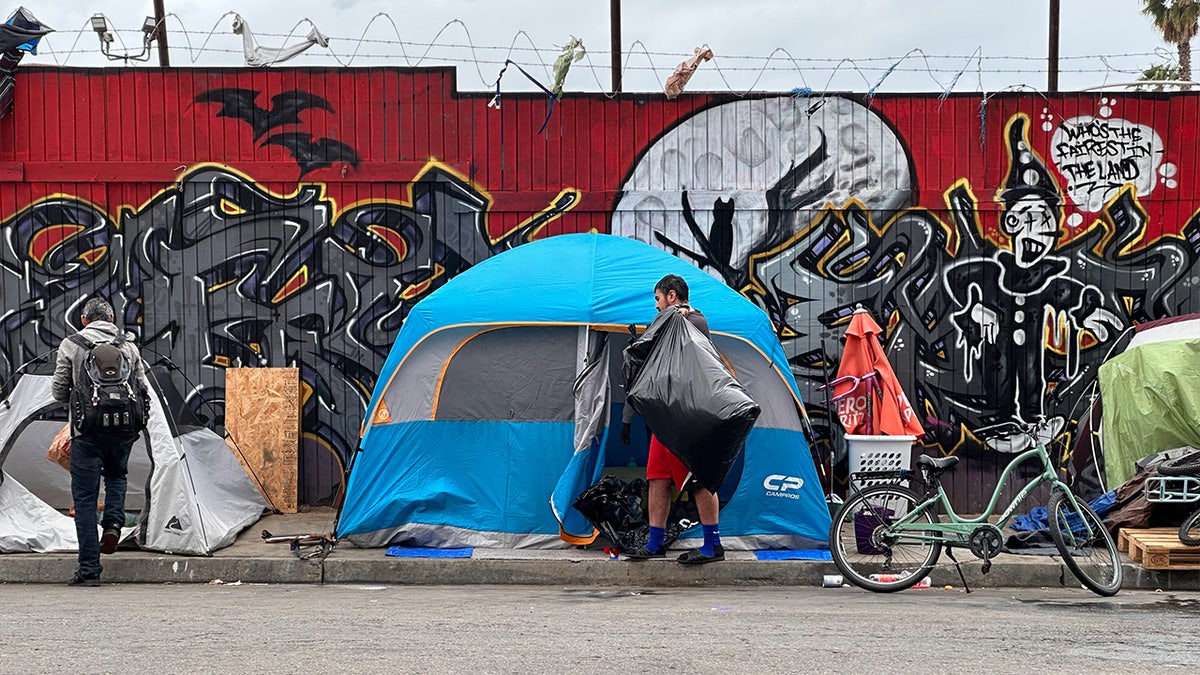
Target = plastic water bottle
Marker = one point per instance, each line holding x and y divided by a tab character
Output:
891	578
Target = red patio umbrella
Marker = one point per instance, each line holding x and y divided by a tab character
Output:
867	395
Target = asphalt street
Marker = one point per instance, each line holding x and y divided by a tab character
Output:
542	629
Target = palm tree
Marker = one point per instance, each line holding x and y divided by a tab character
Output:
1157	73
1177	21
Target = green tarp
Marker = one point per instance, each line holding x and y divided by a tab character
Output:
1151	396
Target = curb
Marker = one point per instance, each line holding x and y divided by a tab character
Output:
134	568
143	568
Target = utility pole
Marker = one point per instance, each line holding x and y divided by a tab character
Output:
164	57
615	32
1052	72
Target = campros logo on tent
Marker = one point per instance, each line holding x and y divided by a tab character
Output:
779	485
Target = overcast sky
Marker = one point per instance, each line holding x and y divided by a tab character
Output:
1011	36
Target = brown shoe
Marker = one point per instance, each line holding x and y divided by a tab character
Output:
109	541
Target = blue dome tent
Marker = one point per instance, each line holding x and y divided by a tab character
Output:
493	409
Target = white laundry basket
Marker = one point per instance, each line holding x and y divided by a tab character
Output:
879	453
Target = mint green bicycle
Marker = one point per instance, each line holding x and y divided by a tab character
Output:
887	537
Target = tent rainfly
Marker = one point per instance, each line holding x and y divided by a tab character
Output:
494	408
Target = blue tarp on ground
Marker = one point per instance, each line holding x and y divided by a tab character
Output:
406	552
802	554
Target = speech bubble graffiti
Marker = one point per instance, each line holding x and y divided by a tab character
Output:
1099	156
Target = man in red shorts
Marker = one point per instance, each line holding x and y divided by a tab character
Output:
663	467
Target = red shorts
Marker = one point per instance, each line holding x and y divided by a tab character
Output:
662	463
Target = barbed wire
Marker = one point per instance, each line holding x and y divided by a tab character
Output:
857	63
1160	51
725	67
978	58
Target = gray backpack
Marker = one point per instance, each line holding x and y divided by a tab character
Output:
108	400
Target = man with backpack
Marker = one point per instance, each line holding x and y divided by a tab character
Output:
100	376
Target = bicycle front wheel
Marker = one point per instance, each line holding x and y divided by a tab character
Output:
1085	544
1187	465
867	554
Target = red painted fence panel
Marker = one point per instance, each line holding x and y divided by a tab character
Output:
241	217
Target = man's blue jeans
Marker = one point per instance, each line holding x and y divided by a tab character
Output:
92	459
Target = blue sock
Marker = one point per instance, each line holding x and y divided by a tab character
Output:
655	542
712	537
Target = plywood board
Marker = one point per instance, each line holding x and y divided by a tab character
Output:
262	418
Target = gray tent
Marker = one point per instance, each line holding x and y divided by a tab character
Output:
192	494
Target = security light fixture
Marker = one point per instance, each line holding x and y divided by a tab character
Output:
100	25
149	34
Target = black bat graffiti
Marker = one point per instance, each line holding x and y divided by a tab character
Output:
312	154
285	107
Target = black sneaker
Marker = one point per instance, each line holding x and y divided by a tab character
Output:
697	557
109	540
81	579
644	553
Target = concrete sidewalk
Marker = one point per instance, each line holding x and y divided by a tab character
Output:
251	560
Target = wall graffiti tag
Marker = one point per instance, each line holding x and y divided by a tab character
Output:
983	325
1031	321
262	279
1099	156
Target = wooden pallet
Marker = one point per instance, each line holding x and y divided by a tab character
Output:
1159	549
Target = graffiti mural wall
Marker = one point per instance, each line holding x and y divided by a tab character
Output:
1005	255
293	217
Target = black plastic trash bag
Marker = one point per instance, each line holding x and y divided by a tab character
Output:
615	507
677	382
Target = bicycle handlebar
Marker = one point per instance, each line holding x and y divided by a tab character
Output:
871	380
1012	428
854	379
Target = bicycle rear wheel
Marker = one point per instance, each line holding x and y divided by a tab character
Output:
861	546
1085	544
1189	530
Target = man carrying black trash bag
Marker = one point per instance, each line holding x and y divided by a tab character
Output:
697	412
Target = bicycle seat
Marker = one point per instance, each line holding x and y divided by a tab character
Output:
938	463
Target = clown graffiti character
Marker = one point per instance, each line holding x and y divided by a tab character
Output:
1017	309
